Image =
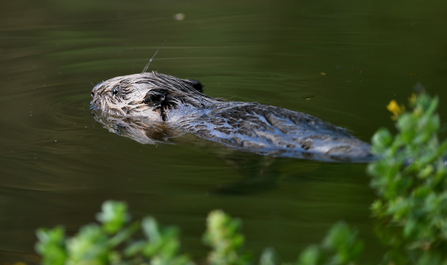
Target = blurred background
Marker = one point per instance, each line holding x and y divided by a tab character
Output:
341	61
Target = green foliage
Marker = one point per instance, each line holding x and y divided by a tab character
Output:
162	246
112	242
268	257
411	176
224	238
52	245
339	247
102	244
411	181
113	216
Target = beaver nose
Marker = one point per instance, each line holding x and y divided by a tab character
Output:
93	94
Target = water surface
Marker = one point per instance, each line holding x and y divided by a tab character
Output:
340	61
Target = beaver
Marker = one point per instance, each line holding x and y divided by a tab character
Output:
138	103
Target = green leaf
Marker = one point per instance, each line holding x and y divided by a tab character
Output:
113	216
90	244
312	255
51	245
381	140
150	229
268	257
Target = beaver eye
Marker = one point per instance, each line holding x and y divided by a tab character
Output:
115	91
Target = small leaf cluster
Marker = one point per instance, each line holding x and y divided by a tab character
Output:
225	240
111	242
340	246
410	179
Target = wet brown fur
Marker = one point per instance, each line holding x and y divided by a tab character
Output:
164	92
154	98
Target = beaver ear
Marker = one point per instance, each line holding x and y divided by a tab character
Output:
155	97
196	84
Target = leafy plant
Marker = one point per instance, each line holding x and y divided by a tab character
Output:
340	246
97	244
411	181
411	176
112	242
223	237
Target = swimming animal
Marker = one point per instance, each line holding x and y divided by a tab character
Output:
157	106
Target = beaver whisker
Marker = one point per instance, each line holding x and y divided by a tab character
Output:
150	61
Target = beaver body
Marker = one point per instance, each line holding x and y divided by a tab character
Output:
150	100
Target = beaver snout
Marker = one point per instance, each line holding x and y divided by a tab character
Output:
95	88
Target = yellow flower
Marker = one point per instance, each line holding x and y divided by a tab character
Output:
394	108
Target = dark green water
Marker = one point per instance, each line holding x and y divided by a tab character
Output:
57	165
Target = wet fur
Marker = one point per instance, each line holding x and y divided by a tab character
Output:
163	93
178	103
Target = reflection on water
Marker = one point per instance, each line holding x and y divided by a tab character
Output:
140	130
58	164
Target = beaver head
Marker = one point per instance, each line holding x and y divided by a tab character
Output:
150	95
